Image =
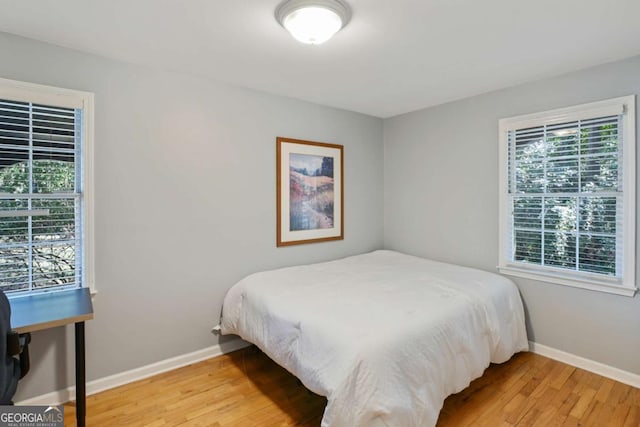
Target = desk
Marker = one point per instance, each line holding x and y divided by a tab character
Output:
49	310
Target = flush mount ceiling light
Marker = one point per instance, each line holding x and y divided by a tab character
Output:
313	21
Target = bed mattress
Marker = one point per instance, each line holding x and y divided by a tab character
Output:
386	337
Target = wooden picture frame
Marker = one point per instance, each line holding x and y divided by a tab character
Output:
310	191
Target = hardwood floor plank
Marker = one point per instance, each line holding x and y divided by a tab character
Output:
245	388
559	380
496	408
590	416
545	418
619	415
620	393
583	403
605	390
633	417
567	404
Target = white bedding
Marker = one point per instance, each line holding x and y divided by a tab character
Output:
386	337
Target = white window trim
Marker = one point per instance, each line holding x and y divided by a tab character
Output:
623	105
49	95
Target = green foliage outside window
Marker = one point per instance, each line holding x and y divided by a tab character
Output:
52	244
564	186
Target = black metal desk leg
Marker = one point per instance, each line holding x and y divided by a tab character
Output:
81	392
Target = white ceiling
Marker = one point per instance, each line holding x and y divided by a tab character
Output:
395	56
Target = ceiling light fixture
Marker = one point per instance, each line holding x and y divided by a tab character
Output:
313	21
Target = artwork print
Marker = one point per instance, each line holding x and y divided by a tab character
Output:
309	191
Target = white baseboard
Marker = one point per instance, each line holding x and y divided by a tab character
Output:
61	396
586	364
65	395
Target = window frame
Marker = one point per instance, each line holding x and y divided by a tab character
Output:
19	91
624	106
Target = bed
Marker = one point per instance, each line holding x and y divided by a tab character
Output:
386	337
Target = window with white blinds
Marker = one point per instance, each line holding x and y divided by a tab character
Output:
568	196
43	188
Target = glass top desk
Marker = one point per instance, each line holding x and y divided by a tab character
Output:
49	310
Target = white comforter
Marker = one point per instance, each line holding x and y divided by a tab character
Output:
386	337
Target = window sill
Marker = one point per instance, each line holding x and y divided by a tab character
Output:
557	279
92	292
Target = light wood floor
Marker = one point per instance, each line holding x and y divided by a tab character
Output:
245	388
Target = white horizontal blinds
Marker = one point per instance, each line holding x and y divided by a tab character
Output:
566	195
40	197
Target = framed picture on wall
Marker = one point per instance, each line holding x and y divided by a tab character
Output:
310	199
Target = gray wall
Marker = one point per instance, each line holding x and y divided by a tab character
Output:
184	202
441	202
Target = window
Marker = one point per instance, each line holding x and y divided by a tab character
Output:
45	188
567	196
